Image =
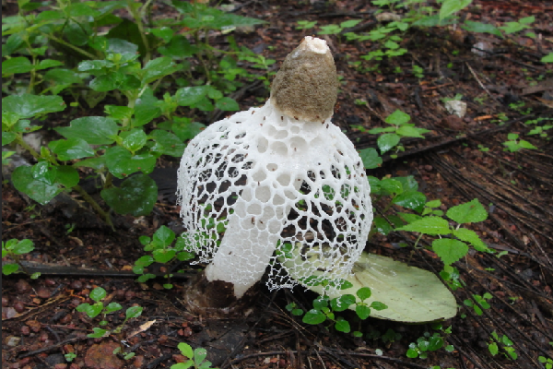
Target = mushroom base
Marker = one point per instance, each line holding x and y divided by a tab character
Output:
215	298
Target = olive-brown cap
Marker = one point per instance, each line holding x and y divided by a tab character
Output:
306	86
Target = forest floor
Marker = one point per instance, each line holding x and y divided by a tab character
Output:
459	160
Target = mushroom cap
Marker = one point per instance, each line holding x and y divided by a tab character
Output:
306	86
263	171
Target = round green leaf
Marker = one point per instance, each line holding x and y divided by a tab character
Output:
398	118
9	268
135	140
27	106
23	247
98	294
363	311
133	312
364	293
342	326
413	200
163	256
121	163
343	302
73	148
227	104
39	190
187	96
387	141
186	350
8	137
113	306
167	143
94	130
137	195
314	317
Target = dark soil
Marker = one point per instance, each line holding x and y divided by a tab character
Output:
40	322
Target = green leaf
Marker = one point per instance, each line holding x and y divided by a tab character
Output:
343	302
164	236
113	306
187	130
398	118
98	333
48	63
165	33
428	225
493	348
470	236
382	226
350	23
38	189
199	355
73	148
410	131
413	200
146	109
187	96
391	186
94	130
8	137
133	312
481	28
342	325
227	104
364	293
97	294
450	7
370	158
94	65
120	113
179	48
9	268
314	317
167	143
387	141
186	350
470	212
449	250
135	140
163	256
363	311
547	58
119	46
377	305
136	196
23	247
28	106
121	163
158	68
77	34
16	65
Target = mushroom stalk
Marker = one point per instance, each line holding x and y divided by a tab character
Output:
275	177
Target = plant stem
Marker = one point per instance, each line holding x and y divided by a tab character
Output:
77	49
94	205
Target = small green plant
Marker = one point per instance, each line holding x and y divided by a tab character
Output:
546	361
480	303
482	148
336	29
97	308
124	355
196	358
14	249
325	309
417	71
539	128
163	250
305	25
506	344
70	356
426	344
514	143
400	126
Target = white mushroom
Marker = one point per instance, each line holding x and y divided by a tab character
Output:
274	178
